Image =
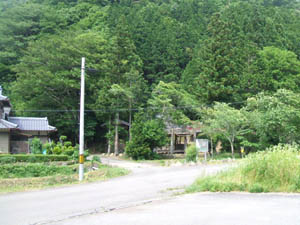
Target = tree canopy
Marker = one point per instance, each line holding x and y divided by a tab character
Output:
168	58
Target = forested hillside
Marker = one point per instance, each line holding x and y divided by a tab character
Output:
167	57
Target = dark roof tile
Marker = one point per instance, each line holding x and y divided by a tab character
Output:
32	123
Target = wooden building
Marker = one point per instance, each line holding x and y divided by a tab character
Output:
180	138
16	132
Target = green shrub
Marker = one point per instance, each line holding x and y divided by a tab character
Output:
35	146
69	151
68	144
57	150
36	158
48	147
7	159
191	154
96	159
138	152
146	136
63	147
62	138
32	170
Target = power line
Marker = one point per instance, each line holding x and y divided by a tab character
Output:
114	109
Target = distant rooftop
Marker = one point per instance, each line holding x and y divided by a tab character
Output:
3	98
32	123
7	125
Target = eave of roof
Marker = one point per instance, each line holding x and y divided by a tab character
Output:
32	123
4	125
3	98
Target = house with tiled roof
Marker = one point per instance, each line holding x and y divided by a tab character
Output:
16	132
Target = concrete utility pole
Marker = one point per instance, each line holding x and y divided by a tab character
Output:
81	132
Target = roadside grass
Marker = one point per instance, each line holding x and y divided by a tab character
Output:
169	160
180	158
103	172
165	162
224	155
275	170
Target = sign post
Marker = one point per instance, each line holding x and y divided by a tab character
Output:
202	146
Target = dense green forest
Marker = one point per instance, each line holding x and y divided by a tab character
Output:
173	58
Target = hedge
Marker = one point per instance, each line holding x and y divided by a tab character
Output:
8	158
33	170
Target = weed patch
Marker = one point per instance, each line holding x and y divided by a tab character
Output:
275	170
31	183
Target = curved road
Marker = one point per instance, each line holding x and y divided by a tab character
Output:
147	183
145	198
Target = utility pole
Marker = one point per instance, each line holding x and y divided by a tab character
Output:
81	131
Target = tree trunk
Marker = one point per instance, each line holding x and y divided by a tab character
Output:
172	142
108	139
117	134
212	147
232	149
130	118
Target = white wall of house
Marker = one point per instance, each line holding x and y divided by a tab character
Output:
4	142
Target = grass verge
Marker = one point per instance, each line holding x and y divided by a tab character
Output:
104	172
224	155
275	170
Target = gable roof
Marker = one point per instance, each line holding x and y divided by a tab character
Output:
32	123
4	124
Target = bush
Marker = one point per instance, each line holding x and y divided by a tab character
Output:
7	159
35	146
96	159
35	158
48	147
32	170
138	152
57	150
146	136
68	144
191	154
62	147
69	151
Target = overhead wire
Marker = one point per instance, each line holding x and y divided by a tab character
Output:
114	109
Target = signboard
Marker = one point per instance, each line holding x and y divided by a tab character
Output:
202	145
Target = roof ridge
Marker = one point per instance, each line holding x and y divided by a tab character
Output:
36	118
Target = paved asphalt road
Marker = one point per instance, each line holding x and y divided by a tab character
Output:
146	183
142	198
204	209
